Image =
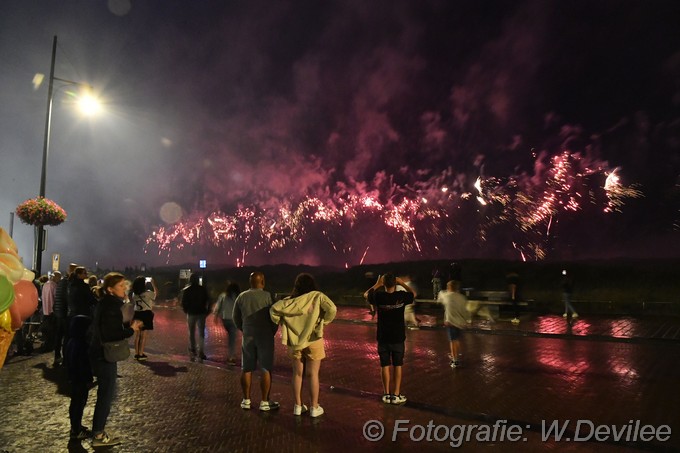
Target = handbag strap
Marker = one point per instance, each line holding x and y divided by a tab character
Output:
139	296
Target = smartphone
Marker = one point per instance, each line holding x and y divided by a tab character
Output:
148	279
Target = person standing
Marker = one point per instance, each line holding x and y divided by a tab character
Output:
436	283
224	310
49	290
143	300
79	374
107	326
456	317
251	316
512	279
412	322
391	333
302	317
81	301
567	289
60	312
196	303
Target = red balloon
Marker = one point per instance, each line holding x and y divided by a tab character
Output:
25	302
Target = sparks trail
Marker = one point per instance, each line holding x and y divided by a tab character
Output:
423	215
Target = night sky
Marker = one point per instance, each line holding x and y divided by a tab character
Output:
342	132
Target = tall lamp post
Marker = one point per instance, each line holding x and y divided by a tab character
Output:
40	230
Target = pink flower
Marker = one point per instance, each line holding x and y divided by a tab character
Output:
41	211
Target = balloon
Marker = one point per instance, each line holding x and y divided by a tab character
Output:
5	341
11	267
25	302
6	321
6	293
7	244
16	317
28	275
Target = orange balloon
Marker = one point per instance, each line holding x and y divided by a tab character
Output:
25	302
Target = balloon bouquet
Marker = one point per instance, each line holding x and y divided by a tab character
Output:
18	295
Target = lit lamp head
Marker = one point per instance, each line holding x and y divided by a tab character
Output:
88	104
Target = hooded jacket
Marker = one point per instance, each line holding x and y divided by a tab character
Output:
302	318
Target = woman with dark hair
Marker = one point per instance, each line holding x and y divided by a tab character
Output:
302	317
143	300
224	309
107	326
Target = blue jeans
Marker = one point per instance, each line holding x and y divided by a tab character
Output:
230	327
196	321
106	373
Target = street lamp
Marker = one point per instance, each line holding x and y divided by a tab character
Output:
88	105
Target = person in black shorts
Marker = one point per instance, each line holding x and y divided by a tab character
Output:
391	335
144	296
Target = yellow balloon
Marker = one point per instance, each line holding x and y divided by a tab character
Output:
6	321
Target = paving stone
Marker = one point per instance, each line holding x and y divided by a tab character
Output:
606	370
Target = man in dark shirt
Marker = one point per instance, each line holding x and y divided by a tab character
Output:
81	300
196	304
60	312
391	335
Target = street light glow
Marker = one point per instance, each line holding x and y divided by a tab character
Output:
89	105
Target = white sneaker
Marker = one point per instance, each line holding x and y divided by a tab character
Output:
574	315
565	315
269	405
515	320
316	411
387	398
299	410
245	404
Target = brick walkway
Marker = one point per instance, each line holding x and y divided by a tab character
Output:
534	373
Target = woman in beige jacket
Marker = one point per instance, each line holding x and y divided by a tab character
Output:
302	317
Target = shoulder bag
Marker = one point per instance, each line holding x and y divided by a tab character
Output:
116	351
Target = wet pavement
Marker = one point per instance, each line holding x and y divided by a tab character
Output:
615	374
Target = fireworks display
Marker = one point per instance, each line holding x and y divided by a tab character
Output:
423	217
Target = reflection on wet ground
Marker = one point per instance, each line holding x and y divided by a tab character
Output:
595	326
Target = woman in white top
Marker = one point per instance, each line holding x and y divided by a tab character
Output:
302	317
143	300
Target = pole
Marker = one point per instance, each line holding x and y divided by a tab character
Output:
11	223
39	240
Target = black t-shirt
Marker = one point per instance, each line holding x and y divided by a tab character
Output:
390	308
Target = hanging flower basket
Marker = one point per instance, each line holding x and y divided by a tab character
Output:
40	212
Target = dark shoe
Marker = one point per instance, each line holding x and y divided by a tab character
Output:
81	434
142	357
398	399
137	356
